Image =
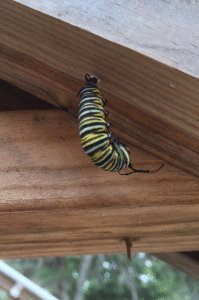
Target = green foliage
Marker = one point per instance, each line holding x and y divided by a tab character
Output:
107	292
3	295
109	277
109	284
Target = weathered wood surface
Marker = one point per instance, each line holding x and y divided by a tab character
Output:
182	262
54	201
151	105
164	30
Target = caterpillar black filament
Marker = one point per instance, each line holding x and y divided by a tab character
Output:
109	155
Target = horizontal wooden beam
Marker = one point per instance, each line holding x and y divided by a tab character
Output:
150	104
54	201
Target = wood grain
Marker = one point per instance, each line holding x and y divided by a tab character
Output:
151	105
54	201
170	37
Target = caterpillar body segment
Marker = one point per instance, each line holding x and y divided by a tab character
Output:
112	156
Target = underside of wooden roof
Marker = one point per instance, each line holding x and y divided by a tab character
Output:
53	200
150	104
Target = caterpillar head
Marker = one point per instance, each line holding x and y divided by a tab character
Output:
92	79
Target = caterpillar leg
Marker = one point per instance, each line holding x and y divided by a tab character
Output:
117	140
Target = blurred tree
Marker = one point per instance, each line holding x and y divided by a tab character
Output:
108	277
84	269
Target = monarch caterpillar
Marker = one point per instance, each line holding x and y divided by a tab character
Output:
109	155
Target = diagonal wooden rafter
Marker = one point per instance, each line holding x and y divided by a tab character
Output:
150	105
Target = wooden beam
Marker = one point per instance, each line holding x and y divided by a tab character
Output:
182	262
54	201
150	104
169	37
